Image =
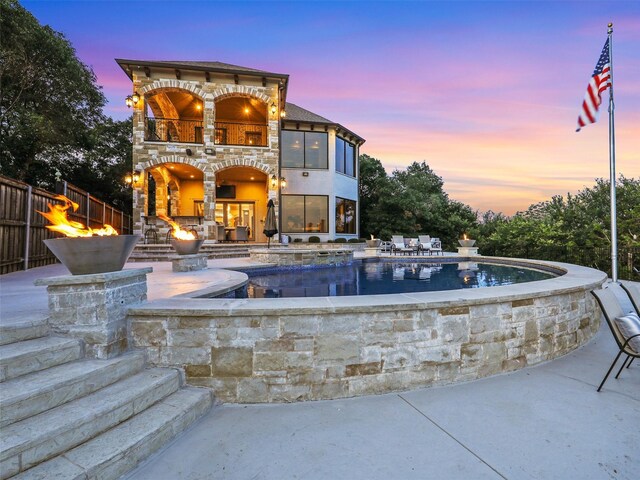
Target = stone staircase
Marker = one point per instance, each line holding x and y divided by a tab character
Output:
162	252
63	416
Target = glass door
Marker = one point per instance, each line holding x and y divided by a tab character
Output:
237	214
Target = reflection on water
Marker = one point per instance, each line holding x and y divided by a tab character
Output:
373	278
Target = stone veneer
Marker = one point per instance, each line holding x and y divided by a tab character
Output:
147	154
93	307
282	350
301	257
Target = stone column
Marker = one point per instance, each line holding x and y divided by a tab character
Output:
93	308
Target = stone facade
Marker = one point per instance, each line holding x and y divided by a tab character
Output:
150	156
301	257
93	308
260	353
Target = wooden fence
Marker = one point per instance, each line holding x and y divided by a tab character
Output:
22	229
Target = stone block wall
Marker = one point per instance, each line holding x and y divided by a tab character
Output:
291	354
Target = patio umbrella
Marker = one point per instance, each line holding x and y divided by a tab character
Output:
270	226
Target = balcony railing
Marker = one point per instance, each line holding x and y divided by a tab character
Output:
173	130
252	134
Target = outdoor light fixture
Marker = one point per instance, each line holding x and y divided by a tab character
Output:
274	109
282	183
283	113
132	100
132	178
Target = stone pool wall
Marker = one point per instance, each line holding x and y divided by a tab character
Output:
283	350
285	257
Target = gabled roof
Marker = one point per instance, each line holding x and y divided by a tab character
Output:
294	113
199	66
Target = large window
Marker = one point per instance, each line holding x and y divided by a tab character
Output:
304	149
345	215
345	157
305	213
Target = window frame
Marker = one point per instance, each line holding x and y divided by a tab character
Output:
304	231
355	218
304	150
346	142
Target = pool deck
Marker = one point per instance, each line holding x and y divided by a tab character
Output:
543	422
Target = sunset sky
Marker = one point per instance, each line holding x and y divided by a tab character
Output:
487	93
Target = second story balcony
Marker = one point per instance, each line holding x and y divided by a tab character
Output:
173	130
230	133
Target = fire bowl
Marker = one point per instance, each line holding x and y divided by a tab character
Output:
186	247
87	255
374	243
466	243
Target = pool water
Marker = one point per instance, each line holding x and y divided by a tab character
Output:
374	278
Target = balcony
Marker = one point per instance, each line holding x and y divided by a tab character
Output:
253	134
173	130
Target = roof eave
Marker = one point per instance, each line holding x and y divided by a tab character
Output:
142	63
337	126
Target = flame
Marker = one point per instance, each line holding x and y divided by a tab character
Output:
177	232
464	237
57	215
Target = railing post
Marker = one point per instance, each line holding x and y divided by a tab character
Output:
88	210
27	226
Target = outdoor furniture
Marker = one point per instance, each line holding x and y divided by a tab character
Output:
625	328
386	246
424	244
436	246
221	234
239	234
150	232
398	245
633	292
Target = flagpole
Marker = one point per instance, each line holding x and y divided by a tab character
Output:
612	166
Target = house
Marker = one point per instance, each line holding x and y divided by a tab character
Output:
214	142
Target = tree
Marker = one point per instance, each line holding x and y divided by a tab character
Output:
409	202
49	100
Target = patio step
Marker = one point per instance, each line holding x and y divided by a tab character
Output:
119	450
17	330
162	252
21	358
29	442
40	391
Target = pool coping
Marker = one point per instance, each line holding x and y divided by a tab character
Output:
574	278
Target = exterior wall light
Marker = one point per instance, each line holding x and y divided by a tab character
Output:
132	100
274	109
132	178
283	113
283	182
275	183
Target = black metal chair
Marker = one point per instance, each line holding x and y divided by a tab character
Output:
611	310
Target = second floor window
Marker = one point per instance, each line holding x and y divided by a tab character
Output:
304	149
345	157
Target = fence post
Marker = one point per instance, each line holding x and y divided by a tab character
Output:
88	210
104	213
27	226
64	188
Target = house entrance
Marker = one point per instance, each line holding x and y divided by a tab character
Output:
237	214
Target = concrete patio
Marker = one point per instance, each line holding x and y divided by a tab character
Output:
544	422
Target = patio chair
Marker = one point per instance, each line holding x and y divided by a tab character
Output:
398	245
424	244
633	292
436	246
624	327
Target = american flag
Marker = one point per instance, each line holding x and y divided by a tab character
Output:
600	81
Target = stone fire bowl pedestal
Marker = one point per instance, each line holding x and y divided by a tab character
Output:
89	255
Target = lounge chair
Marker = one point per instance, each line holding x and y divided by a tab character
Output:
398	245
624	327
424	244
436	246
633	292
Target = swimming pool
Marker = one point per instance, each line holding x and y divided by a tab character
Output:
384	277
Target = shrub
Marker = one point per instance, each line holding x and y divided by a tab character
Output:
354	240
314	239
297	240
340	240
362	240
330	241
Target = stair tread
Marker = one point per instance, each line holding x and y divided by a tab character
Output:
61	379
17	328
116	451
35	430
29	347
